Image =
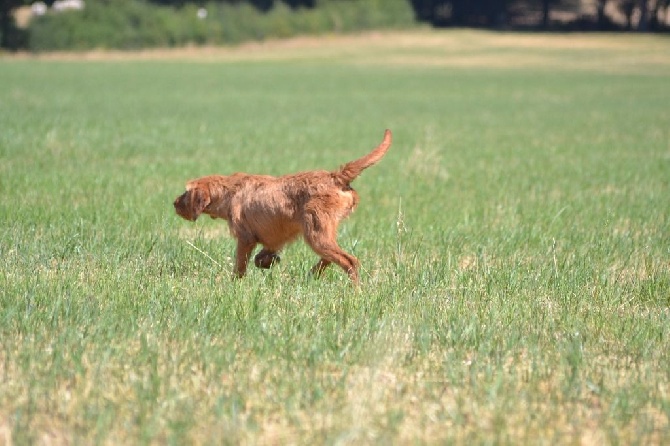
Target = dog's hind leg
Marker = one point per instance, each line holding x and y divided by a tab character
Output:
320	267
332	253
320	236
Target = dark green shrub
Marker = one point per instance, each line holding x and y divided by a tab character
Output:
132	24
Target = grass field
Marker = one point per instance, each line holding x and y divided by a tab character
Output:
515	243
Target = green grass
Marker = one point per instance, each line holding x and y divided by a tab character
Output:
515	243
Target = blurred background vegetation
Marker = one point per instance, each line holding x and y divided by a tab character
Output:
133	24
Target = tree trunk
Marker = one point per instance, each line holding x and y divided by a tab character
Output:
546	10
643	24
601	14
6	22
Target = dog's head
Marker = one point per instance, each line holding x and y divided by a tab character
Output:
192	203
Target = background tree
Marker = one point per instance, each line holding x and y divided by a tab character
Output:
502	13
658	15
601	17
263	5
167	22
643	23
9	33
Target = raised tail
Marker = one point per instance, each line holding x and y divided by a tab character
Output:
352	169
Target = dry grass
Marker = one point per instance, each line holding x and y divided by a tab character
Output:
467	49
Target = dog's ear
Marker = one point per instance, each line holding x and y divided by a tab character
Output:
197	202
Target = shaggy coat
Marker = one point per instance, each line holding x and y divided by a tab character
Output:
274	211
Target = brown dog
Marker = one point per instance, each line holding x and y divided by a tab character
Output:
274	211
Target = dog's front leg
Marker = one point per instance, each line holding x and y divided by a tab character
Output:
243	254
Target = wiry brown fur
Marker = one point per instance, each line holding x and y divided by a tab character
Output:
274	211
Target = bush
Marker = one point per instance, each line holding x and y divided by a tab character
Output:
132	24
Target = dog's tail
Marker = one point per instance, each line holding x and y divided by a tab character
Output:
352	169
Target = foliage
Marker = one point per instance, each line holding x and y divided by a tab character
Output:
131	24
151	23
514	243
537	13
10	36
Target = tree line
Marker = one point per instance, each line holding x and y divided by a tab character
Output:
563	15
641	15
603	15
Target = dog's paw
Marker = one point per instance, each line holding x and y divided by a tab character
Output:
265	260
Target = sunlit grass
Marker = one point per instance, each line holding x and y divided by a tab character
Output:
514	245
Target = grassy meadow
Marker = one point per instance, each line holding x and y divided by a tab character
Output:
515	244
